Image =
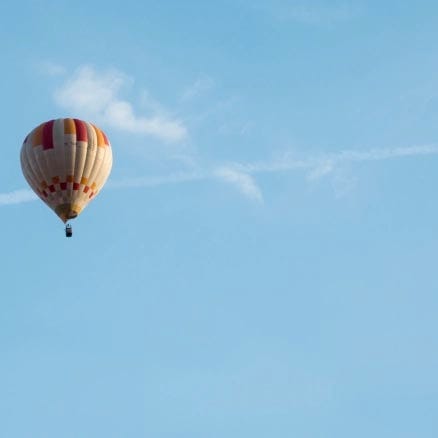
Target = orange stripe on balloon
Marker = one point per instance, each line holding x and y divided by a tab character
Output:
69	126
37	136
100	137
105	138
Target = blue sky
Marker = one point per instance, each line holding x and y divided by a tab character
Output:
262	261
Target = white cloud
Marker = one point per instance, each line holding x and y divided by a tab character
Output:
244	182
17	197
95	95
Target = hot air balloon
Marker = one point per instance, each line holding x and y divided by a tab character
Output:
66	163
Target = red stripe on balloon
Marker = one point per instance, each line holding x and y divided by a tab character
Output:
48	135
81	130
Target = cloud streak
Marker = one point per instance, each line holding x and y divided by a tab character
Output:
96	95
244	182
17	197
242	175
323	165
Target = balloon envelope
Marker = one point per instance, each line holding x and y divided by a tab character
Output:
66	162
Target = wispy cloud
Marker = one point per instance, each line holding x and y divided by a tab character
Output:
243	175
244	182
95	95
385	153
17	197
320	166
